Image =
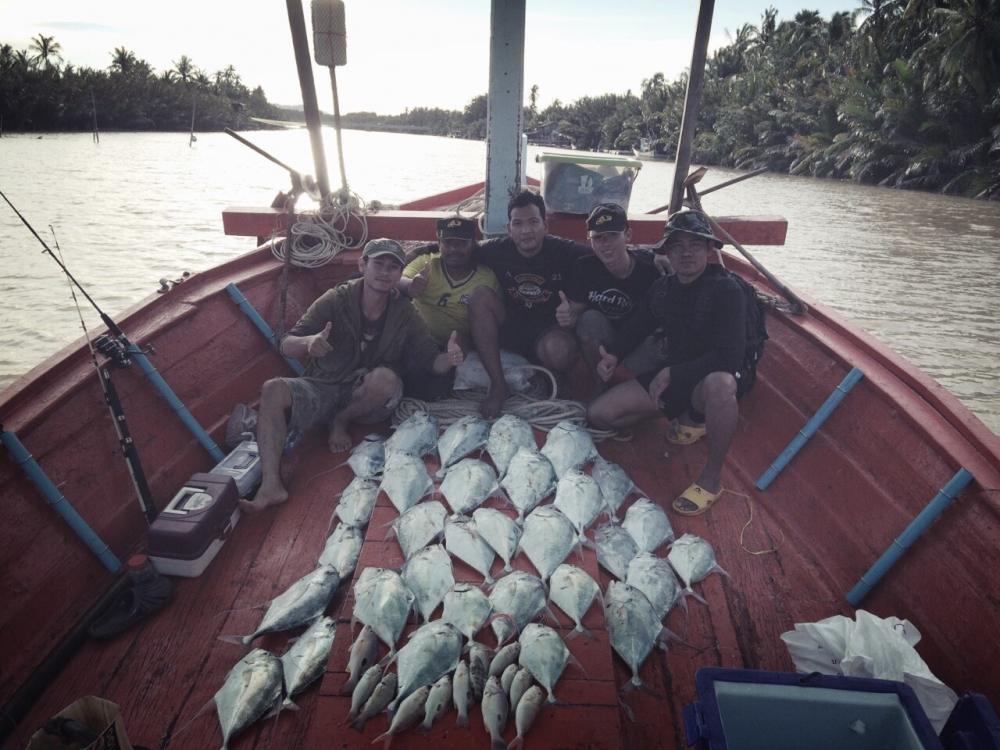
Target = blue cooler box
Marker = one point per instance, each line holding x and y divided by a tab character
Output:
748	709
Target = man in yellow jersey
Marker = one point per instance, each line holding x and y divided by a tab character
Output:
440	285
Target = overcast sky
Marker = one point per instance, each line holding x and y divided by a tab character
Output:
401	53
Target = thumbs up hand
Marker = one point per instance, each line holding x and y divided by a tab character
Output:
455	354
319	344
565	314
418	285
606	364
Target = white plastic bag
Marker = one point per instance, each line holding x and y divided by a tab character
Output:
874	647
471	374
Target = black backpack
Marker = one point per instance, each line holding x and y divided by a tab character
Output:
756	329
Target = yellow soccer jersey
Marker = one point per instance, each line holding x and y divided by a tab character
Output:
443	305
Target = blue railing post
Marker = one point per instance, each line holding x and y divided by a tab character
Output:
261	325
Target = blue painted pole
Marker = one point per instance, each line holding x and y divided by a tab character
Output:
261	325
810	428
175	403
914	531
58	501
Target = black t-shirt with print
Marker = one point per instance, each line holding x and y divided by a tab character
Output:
593	284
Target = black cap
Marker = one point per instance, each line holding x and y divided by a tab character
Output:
457	227
383	246
607	217
690	222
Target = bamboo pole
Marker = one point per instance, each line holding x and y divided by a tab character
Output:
93	109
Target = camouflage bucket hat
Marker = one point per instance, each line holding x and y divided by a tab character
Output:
690	222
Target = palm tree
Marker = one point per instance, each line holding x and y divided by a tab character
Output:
46	49
184	68
972	39
122	60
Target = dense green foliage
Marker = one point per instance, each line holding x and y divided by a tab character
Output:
39	93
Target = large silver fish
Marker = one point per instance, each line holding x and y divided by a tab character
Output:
530	478
694	559
383	602
342	549
428	575
408	714
573	591
568	446
464	542
252	688
461	438
419	526
519	595
499	531
467	484
648	524
615	484
633	626
507	434
615	550
547	539
495	712
405	480
438	702
301	603
580	500
544	654
380	699
306	660
416	435
524	716
357	502
467	608
654	577
368	457
363	691
461	693
433	650
364	653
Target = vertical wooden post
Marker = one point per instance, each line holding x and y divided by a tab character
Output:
300	42
93	108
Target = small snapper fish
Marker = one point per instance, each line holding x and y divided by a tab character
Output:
467	484
357	502
461	693
616	486
428	575
416	435
568	446
467	608
524	716
479	665
305	661
573	591
648	524
499	531
495	711
405	480
504	658
654	577
633	626
363	691
342	549
433	651
383	602
252	688
461	438
519	685
507	677
694	559
368	457
579	498
405	716
530	478
419	526
615	550
379	700
507	435
364	652
544	654
463	541
519	595
547	539
438	702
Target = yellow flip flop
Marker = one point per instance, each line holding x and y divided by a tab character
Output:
684	434
697	496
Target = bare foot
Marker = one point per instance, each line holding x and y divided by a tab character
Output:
339	440
265	497
493	402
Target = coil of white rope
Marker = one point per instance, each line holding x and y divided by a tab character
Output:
319	236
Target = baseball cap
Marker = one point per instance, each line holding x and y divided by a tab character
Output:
607	217
383	246
690	222
458	227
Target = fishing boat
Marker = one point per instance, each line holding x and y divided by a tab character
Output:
645	152
896	439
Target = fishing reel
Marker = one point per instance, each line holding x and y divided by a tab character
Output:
113	350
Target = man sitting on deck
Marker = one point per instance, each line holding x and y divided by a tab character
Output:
359	337
701	310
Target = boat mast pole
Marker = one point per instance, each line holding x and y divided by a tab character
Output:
300	41
692	104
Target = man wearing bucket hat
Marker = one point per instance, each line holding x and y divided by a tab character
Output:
360	338
701	312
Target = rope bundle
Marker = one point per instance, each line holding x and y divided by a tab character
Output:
319	236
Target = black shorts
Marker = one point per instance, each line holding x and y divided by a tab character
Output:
676	400
429	386
522	337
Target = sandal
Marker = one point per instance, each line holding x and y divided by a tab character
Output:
696	496
684	434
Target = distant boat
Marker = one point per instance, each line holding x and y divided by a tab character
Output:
646	152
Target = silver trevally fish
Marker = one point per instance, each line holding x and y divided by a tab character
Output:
615	484
342	549
648	524
419	526
383	602
467	484
499	531
633	626
467	608
530	478
368	457
519	595
432	651
526	709
428	575
438	702
568	446
463	541
573	590
305	661
357	502
544	654
654	577
416	435
693	558
405	480
300	603
615	550
495	712
507	434
461	438
580	500
547	539
252	688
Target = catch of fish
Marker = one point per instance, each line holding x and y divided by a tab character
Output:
648	525
405	480
507	435
419	526
368	457
694	559
530	479
467	484
461	438
568	446
464	542
547	539
417	435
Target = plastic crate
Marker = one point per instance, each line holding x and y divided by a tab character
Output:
972	725
575	184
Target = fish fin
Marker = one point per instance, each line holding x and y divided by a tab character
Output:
719	569
358	725
578	631
289	705
547	611
183	728
507	567
386	740
694	595
625	706
516	744
236	640
576	663
497	743
462	721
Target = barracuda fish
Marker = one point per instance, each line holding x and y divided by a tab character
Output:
654	577
461	692
364	652
363	691
573	591
495	712
648	524
416	436
615	550
405	480
522	681
306	660
301	603
464	542
568	446
461	438
694	559
544	654
357	502
252	688
419	526
507	678
579	499
467	608
519	595
433	651
428	575
383	602
368	457
507	435
342	549
438	702
479	665
632	625
530	478
616	486
380	699
467	484
408	714
527	709
547	539
499	531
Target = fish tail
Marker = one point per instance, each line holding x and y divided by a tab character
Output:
516	744
386	738
578	631
359	724
236	640
463	720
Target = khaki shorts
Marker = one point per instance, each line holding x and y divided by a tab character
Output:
316	401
